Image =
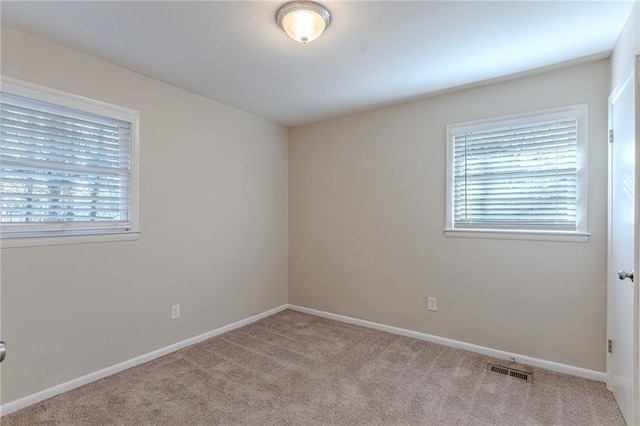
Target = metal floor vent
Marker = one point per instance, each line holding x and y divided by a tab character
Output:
522	375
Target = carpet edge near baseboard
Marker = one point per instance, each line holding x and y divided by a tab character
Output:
34	398
496	353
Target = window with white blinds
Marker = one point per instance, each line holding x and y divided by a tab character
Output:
64	169
522	174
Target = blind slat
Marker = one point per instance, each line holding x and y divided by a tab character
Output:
29	143
83	159
19	114
69	138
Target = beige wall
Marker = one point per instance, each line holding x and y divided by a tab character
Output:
213	184
366	219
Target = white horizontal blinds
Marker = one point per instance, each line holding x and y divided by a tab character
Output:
62	168
519	177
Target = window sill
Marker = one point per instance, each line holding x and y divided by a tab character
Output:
53	240
508	234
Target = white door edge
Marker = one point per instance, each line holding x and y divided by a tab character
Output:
636	261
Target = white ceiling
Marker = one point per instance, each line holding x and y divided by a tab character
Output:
374	53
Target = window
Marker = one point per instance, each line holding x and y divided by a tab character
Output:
519	176
66	165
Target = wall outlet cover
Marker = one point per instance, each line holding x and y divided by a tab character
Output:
175	311
432	304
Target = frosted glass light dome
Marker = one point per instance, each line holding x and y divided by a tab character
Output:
303	21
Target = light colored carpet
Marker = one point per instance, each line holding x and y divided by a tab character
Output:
293	368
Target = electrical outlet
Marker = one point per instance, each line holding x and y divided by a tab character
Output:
175	311
432	304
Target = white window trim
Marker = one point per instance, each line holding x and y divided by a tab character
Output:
581	234
46	94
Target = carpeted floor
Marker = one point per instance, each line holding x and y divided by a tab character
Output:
293	368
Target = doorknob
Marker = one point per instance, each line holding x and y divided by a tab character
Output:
3	351
624	275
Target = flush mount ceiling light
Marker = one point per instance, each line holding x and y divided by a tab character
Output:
304	21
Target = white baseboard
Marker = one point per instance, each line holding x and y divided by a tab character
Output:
12	406
523	359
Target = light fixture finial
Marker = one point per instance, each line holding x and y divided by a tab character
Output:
303	21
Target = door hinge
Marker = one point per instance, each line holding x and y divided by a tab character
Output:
611	136
609	346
